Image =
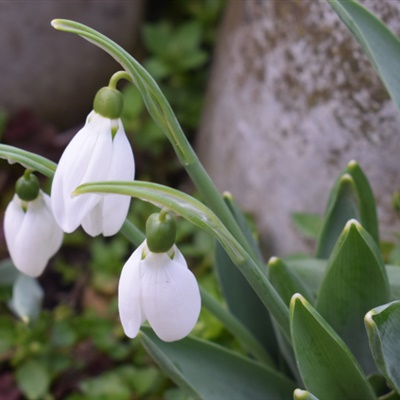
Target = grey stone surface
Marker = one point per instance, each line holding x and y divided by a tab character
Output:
58	73
291	101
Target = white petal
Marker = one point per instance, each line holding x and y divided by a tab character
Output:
115	206
87	158
33	245
129	288
56	234
110	213
13	218
170	296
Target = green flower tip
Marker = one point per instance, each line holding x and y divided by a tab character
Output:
108	103
160	232
27	187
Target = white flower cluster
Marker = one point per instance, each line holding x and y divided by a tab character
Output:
157	287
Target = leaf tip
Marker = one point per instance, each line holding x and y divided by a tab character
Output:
227	195
273	262
352	224
352	164
368	319
299	394
297	297
55	23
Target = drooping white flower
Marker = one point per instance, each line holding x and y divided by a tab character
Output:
32	234
93	155
159	288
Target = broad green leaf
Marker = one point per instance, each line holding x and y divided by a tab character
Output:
350	197
380	44
327	367
303	395
312	272
286	281
28	160
236	328
33	379
366	200
355	281
308	224
27	297
198	214
342	206
383	326
208	371
247	307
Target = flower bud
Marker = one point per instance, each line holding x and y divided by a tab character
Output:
108	103
27	187
160	232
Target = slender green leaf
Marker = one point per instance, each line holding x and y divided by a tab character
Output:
327	367
247	307
380	44
350	197
208	371
342	206
383	326
243	225
355	281
366	200
28	160
27	296
303	395
198	214
287	283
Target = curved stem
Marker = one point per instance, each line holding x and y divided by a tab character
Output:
117	77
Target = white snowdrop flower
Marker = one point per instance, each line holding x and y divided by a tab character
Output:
159	288
32	234
100	151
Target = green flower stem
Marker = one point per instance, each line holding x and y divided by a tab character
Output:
240	331
163	115
117	77
132	233
198	214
